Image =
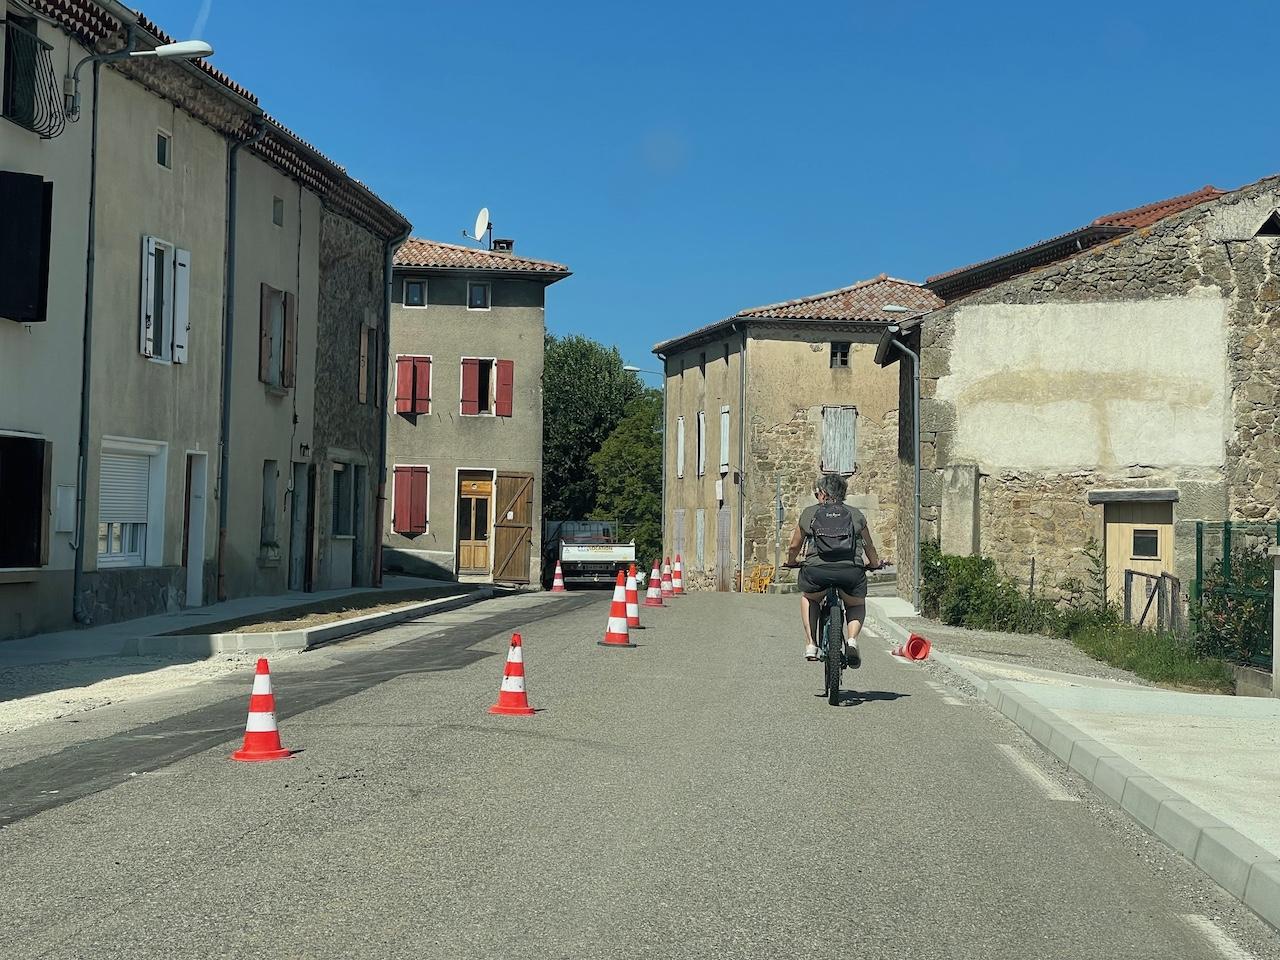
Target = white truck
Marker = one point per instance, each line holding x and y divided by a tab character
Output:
589	551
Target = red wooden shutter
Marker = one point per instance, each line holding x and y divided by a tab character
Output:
264	333
471	386
506	387
421	384
290	338
404	384
418	500
401	510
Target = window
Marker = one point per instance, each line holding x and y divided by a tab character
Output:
277	211
413	384
27	202
164	149
839	435
679	448
839	354
270	477
702	443
24	52
724	440
477	295
25	470
164	318
277	333
124	508
1146	544
415	293
370	351
409	500
1271	226
488	387
343	490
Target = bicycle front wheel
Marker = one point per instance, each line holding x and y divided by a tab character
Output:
835	658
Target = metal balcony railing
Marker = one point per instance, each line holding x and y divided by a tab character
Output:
31	96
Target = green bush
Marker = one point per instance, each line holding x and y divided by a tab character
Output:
1230	622
969	592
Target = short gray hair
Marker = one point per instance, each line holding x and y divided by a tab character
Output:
833	485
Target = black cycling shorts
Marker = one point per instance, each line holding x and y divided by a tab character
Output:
845	575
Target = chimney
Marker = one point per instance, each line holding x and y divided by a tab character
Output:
503	246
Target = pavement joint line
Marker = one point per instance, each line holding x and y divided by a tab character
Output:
1217	937
1034	774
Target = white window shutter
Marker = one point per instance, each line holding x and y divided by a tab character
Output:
146	329
702	443
839	439
679	447
181	304
724	440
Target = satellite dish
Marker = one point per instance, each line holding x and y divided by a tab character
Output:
482	223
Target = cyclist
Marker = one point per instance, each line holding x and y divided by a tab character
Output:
837	552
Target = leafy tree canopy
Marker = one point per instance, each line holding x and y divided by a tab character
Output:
628	475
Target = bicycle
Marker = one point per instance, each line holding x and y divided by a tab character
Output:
831	638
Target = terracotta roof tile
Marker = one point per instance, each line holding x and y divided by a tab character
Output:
417	252
1145	216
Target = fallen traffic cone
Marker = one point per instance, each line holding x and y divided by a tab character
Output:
557	585
633	600
261	735
677	577
667	590
512	698
916	648
615	634
653	596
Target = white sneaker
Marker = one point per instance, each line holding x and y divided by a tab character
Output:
811	652
852	654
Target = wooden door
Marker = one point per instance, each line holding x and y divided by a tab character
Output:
475	490
513	527
1139	536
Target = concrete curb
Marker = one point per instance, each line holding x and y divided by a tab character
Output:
1241	867
206	644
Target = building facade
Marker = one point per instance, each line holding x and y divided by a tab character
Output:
1119	390
758	405
465	438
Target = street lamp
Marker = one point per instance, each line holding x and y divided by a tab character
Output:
181	50
894	330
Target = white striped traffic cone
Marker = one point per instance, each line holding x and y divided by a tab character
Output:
667	590
557	585
615	634
261	735
653	596
633	600
677	577
512	699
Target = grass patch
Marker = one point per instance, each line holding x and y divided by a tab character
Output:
1162	658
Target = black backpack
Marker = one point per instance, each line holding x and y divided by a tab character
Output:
835	536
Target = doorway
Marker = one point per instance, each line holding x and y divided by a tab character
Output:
1139	536
475	494
299	528
193	527
513	527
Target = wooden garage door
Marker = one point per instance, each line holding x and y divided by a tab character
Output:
512	527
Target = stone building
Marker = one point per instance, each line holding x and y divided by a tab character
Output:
760	403
465	438
1118	383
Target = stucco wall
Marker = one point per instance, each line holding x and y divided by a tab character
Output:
40	362
444	440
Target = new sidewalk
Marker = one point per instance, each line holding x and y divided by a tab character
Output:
1200	772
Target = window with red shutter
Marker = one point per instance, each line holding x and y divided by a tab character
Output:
404	384
402	494
470	387
421	384
505	388
418	499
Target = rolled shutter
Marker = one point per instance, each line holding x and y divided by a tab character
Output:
506	388
401	510
181	304
264	333
404	384
421	384
123	488
146	327
471	387
290	339
362	384
418	500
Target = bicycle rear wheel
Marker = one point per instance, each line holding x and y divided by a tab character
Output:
834	637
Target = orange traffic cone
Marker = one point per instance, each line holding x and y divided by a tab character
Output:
557	585
261	735
916	648
633	600
677	577
667	590
512	698
615	634
653	596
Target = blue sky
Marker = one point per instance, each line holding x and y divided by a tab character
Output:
691	159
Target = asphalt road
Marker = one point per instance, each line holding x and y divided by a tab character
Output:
692	797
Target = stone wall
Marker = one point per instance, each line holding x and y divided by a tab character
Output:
109	596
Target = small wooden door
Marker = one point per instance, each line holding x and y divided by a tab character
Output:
1139	536
475	491
513	527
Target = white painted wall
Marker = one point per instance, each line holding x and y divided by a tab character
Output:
1067	386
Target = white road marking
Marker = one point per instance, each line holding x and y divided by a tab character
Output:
1034	773
945	694
953	702
1218	938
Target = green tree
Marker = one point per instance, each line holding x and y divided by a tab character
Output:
585	393
628	475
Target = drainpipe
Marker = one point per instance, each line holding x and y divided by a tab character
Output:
666	435
228	332
742	460
915	433
389	253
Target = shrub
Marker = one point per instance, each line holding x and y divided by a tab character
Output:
1233	617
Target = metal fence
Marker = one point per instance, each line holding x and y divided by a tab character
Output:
1234	590
1152	601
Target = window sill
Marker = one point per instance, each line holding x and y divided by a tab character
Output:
20	575
275	390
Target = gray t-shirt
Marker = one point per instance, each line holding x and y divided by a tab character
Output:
809	555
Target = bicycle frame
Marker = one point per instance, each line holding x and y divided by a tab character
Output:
831	608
